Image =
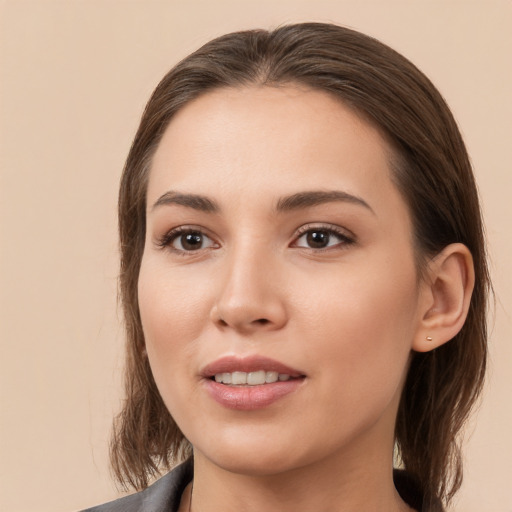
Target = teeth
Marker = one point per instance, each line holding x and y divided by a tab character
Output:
250	378
255	378
223	377
238	378
271	377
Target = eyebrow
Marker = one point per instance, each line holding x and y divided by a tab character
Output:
194	201
297	201
317	197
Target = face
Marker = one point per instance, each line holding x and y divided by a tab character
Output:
278	291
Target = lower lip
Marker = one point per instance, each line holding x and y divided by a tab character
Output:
250	398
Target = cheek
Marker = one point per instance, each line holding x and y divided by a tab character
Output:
170	306
173	314
362	333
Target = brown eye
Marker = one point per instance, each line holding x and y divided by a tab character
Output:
191	241
322	238
318	239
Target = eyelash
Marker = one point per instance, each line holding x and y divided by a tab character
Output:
165	242
345	238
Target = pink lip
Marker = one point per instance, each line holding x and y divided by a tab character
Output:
248	398
231	364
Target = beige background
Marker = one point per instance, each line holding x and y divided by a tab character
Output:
74	78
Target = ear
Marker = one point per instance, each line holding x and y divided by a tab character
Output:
445	295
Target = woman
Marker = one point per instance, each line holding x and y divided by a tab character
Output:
304	282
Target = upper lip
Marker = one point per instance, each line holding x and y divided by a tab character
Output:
254	363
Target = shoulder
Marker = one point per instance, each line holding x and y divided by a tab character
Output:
162	496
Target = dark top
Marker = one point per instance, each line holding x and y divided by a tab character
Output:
165	494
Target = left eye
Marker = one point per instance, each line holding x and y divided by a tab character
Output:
318	238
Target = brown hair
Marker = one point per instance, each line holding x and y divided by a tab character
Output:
432	171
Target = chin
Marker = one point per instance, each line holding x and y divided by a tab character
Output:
258	457
263	465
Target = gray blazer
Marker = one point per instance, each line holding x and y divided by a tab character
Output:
163	496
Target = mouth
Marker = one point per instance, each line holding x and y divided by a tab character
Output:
250	383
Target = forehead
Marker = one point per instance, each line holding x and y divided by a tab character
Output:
270	139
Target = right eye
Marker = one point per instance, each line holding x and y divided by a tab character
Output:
186	240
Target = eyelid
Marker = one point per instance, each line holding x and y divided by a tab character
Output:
344	234
165	241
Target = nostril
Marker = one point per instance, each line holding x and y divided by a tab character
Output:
262	321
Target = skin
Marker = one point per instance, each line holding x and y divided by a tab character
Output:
346	316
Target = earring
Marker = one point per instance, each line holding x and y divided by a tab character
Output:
428	338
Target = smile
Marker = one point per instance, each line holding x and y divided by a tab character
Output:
250	383
256	378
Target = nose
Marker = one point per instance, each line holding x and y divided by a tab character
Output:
251	294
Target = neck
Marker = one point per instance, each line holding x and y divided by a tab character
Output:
332	484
